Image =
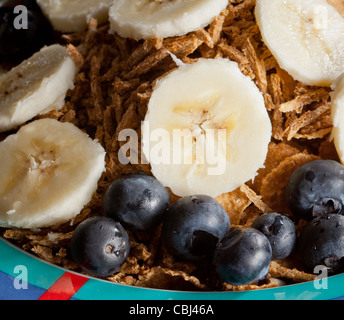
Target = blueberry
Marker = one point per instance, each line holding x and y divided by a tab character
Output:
321	243
243	257
29	4
280	231
17	44
316	188
99	246
193	227
138	201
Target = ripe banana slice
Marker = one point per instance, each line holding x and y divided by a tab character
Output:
206	130
306	37
36	86
49	172
148	19
74	15
337	113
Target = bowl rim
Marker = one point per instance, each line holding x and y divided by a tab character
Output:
44	274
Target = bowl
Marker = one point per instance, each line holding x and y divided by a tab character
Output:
26	277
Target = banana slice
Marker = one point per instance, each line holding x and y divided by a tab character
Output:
206	130
148	19
306	37
36	86
337	114
49	172
74	15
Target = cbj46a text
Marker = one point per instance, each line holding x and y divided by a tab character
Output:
190	310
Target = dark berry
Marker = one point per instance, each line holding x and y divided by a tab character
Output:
243	257
316	188
193	227
280	231
138	201
99	246
321	243
29	4
22	33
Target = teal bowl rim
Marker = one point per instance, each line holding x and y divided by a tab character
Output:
42	274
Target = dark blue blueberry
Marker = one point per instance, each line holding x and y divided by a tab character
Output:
193	227
243	257
321	243
99	246
29	4
17	44
316	188
280	231
138	201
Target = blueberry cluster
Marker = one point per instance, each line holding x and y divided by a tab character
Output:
245	254
197	228
194	228
315	192
136	202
